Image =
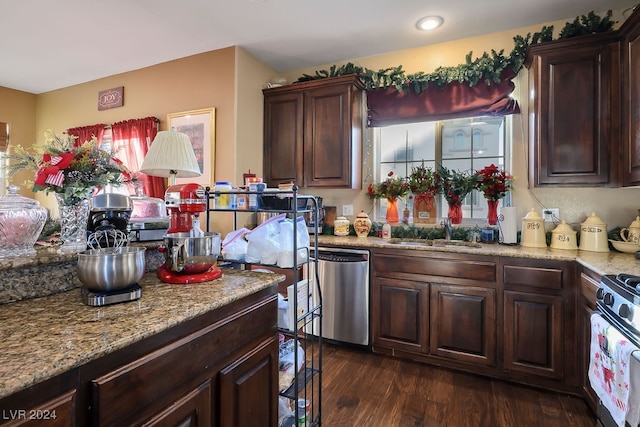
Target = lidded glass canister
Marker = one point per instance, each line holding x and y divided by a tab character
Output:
21	222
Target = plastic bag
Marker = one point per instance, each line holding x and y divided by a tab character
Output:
264	242
285	254
234	247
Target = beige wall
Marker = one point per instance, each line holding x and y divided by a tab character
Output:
200	81
19	110
617	207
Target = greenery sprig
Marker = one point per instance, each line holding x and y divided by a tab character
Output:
487	68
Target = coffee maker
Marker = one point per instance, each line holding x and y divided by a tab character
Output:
190	254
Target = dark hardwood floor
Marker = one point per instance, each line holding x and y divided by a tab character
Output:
364	389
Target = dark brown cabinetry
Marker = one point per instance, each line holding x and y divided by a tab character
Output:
216	369
400	309
574	107
434	305
511	318
313	133
630	134
540	327
463	323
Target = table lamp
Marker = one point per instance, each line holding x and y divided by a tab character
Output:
171	156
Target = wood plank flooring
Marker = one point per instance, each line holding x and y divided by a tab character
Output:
364	389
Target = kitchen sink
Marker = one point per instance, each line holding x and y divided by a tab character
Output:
454	243
439	243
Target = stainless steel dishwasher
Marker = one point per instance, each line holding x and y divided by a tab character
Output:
344	282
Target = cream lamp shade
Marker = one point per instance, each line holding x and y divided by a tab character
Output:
171	156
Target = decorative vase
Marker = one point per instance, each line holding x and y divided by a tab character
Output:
492	214
73	222
392	211
362	224
424	208
455	212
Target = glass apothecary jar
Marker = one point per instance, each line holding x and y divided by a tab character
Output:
21	222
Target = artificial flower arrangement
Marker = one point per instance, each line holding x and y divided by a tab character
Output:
493	182
424	180
456	184
391	188
71	170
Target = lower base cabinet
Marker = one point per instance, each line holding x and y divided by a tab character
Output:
219	369
509	318
533	338
463	323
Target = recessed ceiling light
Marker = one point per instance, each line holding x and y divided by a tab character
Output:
429	23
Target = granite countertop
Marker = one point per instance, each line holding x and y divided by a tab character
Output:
43	337
611	262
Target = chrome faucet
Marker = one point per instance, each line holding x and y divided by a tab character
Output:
448	228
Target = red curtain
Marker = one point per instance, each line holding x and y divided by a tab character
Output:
387	106
131	140
84	133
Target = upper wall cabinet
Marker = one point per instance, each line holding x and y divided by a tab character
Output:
574	110
313	133
630	129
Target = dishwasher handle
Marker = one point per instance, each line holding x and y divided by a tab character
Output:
332	256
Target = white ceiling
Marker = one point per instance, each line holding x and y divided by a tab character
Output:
47	45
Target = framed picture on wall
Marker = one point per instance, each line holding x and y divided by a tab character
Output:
199	126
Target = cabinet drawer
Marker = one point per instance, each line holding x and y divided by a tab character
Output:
535	277
444	265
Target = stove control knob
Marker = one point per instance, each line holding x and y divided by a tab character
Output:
600	293
608	299
624	311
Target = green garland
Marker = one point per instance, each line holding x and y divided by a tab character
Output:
487	67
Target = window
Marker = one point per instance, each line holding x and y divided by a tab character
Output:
460	144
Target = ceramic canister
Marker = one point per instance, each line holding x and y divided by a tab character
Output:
564	237
631	234
362	224
593	235
533	233
341	226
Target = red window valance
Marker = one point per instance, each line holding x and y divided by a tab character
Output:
387	106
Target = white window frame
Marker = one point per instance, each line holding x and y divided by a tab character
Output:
474	201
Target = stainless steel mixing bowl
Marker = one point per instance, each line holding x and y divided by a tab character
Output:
191	255
112	268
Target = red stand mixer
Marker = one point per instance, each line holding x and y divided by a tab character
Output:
190	254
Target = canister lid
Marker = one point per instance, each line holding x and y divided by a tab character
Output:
593	219
533	215
362	214
563	228
14	201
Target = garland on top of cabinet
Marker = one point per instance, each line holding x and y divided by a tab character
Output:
488	67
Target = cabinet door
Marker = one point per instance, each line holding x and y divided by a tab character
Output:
400	314
631	100
463	323
59	411
332	136
191	410
283	136
533	333
248	388
574	106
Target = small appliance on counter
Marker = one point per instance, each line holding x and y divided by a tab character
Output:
190	254
149	219
109	211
